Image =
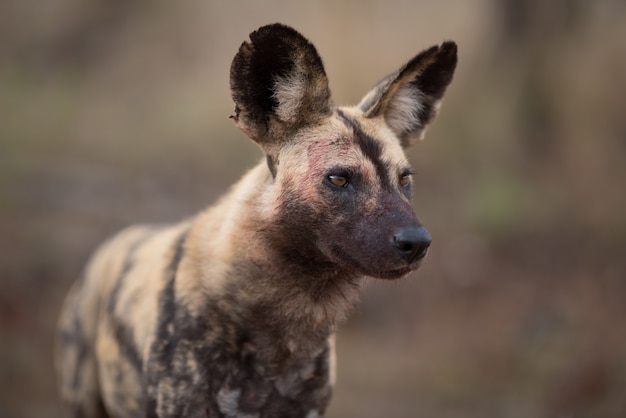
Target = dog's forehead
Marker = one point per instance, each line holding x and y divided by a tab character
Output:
348	138
374	129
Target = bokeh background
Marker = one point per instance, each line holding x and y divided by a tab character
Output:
115	112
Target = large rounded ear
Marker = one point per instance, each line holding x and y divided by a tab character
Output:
278	84
409	99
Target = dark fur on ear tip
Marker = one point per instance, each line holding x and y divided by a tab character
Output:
409	99
278	52
436	76
449	47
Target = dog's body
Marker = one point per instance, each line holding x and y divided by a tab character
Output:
232	313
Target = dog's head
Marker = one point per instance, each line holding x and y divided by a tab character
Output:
341	191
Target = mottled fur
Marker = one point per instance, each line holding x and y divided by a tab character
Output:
232	313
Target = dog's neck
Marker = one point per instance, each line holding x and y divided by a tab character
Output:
301	309
295	298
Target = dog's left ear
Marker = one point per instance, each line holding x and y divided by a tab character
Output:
278	84
409	99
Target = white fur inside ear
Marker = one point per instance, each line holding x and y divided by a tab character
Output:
370	98
404	109
289	91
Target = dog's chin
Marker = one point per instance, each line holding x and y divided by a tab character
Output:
349	263
387	274
392	274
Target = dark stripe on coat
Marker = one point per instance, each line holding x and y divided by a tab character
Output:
122	332
164	345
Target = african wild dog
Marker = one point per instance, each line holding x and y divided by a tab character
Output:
232	313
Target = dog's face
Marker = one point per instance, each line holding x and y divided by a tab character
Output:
341	192
347	185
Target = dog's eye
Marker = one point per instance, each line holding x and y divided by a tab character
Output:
405	179
339	181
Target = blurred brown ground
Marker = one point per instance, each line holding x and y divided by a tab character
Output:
115	112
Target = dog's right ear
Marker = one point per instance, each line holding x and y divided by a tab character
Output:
278	84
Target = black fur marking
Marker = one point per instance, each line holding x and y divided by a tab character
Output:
255	68
124	336
372	150
345	119
370	147
121	331
167	302
271	165
271	59
272	53
76	338
436	77
162	350
126	268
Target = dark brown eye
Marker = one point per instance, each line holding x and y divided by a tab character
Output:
338	181
405	179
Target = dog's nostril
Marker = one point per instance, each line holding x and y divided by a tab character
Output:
412	242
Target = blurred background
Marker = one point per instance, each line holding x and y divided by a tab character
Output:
115	112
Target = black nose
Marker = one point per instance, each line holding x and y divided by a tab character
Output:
412	242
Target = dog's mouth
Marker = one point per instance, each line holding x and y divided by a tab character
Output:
380	271
394	274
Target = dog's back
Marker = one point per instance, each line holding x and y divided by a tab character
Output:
232	313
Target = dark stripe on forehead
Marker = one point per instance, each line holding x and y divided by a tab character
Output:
370	147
